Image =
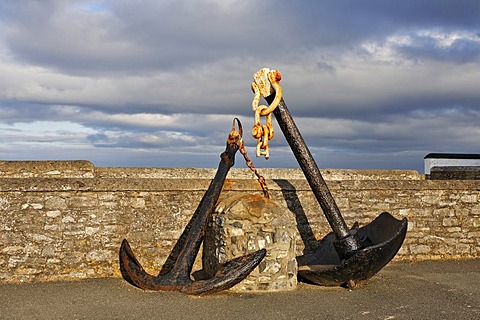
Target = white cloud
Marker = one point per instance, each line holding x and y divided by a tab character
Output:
447	39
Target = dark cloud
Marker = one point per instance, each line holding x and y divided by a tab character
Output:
148	36
461	50
372	84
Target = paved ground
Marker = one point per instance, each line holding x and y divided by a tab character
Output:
427	290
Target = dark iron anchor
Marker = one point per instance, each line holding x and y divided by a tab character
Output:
175	274
345	256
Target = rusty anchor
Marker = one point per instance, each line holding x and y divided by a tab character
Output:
175	273
344	256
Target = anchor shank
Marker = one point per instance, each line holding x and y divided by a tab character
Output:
186	258
312	173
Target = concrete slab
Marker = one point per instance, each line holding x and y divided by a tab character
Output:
422	290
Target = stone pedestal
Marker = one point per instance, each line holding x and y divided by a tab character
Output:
243	224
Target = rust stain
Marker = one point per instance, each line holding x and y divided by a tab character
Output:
257	202
229	184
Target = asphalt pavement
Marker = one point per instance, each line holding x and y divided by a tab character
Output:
402	290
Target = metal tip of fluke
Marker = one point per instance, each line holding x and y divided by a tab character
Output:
345	256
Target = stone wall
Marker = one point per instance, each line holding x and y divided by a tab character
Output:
66	219
455	173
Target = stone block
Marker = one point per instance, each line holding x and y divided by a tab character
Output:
469	198
420	249
450	222
55	203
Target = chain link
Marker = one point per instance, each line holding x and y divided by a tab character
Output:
260	178
248	162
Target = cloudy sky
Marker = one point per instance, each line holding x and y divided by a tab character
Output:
371	84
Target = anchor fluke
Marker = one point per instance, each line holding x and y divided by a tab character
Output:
383	238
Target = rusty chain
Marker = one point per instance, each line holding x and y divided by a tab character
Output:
264	132
248	161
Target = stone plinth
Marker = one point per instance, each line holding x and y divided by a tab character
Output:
243	224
